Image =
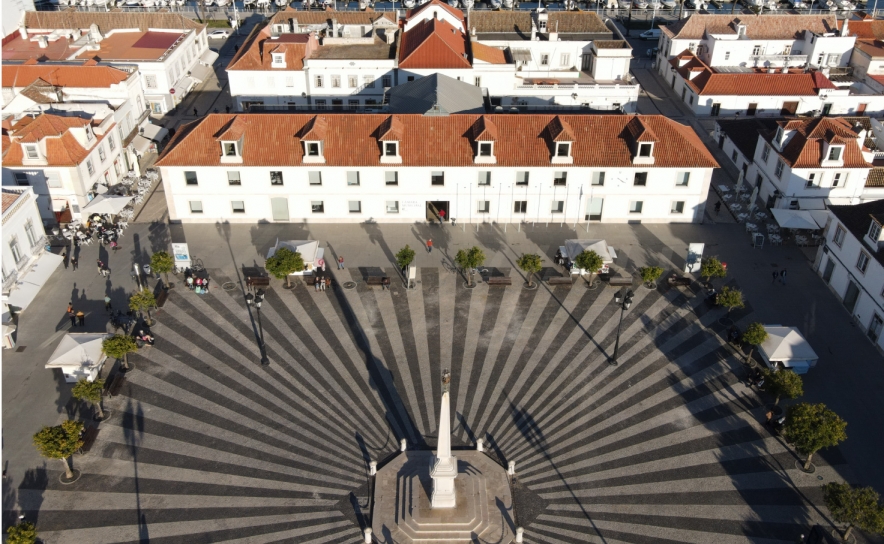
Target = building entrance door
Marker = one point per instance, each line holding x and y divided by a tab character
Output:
851	296
280	208
433	209
594	209
827	272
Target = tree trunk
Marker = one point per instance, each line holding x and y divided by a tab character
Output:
807	463
776	401
847	532
165	280
100	411
288	281
749	357
471	276
68	473
126	361
530	277
590	279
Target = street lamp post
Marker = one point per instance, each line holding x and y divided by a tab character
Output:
257	299
624	302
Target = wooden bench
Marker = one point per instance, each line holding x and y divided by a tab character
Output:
560	280
257	281
377	280
161	297
499	280
89	436
680	281
620	280
114	385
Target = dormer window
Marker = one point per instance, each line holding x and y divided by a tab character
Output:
874	231
278	60
88	134
835	152
31	152
563	149
779	137
391	149
486	149
230	149
646	150
313	152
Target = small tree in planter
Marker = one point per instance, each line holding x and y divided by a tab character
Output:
60	442
530	263
812	427
650	274
755	335
711	267
90	392
119	346
143	301
730	299
589	260
162	263
782	383
405	257
855	506
470	259
22	533
284	262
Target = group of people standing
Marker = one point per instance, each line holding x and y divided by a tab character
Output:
195	283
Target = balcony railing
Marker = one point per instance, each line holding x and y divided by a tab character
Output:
9	279
39	245
586	86
792	59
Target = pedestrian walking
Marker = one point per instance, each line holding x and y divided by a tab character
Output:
100	266
73	317
776	274
328	283
107	303
195	114
227	108
385	284
316	283
341	262
216	110
64	259
70	307
74	263
717	207
441	217
783	276
81	319
236	48
430	245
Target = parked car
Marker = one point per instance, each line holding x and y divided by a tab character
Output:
653	34
219	34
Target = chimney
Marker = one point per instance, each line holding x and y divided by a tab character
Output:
23	32
390	34
533	31
844	27
295	26
785	69
94	33
554	35
473	33
76	34
43	42
335	28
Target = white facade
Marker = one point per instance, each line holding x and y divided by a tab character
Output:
12	13
23	237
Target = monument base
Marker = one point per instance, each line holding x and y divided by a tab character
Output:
402	513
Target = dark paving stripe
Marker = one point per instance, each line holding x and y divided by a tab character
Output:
773	496
746	528
463	299
248	532
432	316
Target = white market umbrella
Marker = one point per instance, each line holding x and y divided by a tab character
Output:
753	198
108	204
740	182
794	219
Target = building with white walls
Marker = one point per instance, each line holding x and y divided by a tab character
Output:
13	10
573	169
169	51
851	262
63	158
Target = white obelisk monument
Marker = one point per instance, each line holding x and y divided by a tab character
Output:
443	468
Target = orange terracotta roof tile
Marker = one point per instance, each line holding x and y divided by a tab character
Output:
325	17
522	140
62	148
256	51
807	147
315	129
233	130
864	30
491	55
433	43
639	131
391	129
19	75
458	14
782	27
484	130
107	21
560	130
9	199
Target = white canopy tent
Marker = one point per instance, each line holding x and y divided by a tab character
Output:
794	219
309	250
30	283
109	204
79	355
153	132
786	346
573	248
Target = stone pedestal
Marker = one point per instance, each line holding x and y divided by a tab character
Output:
403	490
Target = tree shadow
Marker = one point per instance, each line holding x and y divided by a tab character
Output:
265	234
159	237
133	431
27	499
376	237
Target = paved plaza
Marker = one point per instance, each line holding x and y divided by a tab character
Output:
206	445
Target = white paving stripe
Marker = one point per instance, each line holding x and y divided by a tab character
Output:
50	499
425	375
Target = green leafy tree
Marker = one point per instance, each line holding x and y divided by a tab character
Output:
855	506
470	259
730	299
711	267
405	257
90	392
119	346
22	533
531	264
755	335
589	260
142	301
162	263
650	274
60	442
782	383
812	427
284	262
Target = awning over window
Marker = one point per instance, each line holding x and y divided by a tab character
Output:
140	144
59	204
183	86
521	55
209	57
153	132
30	283
201	72
812	204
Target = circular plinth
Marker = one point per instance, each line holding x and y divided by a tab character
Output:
349	285
65	481
107	414
228	286
651	285
800	466
466	285
593	286
530	287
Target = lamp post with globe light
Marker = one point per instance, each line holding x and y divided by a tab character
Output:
257	299
624	301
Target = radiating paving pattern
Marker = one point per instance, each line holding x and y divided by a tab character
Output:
205	445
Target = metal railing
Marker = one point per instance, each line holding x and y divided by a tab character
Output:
571	86
9	279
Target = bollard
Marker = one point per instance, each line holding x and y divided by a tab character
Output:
403	444
512	470
519	533
480	445
367	535
372	468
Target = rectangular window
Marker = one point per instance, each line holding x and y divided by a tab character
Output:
641	179
437	178
734	156
196	206
352	104
289	81
29	232
682	179
110	142
317	82
565	59
31	151
874	231
560	178
521	178
353	178
229	149
391	149
150	81
756	50
388	82
478	81
90	167
483	206
765	153
677	206
779	169
598	178
839	236
835	153
391	178
486	149
352	81
484	178
813	181
190	178
557	206
21	178
544	59
839	179
276	178
727	55
117	167
314	177
644	150
392	206
317	206
233	177
787	49
312	149
336	82
238	206
862	262
355	206
320	104
52	179
520	206
369	82
636	206
834	59
16	251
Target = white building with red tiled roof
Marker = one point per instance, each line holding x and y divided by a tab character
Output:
404	168
63	158
570	59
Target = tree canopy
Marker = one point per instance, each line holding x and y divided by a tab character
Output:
61	441
468	259
730	298
405	256
783	383
755	334
22	533
531	264
142	300
855	506
89	392
589	261
284	262
118	346
812	427
650	274
711	267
